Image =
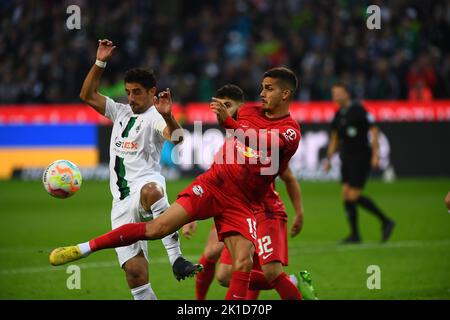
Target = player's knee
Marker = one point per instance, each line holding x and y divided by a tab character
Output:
243	263
150	193
271	274
212	252
136	274
223	277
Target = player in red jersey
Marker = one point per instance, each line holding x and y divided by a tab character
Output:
272	247
237	181
271	229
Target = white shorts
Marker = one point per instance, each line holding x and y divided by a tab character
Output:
129	210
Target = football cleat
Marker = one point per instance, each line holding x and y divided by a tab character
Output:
304	284
64	255
183	268
387	230
351	240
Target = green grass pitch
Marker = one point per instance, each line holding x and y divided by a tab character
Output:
414	264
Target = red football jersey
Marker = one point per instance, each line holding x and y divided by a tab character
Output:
259	150
273	206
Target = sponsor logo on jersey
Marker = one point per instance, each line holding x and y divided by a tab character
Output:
246	151
260	156
290	134
127	145
250	153
198	190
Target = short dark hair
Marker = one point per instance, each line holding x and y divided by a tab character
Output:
230	91
341	85
286	75
145	77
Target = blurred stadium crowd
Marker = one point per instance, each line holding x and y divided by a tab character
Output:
196	46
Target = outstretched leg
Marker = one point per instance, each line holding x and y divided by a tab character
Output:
172	219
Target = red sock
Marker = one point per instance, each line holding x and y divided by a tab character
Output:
122	236
204	278
285	288
252	295
258	281
238	286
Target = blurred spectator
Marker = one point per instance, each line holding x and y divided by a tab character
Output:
383	83
420	92
196	46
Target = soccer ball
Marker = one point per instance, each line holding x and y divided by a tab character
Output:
61	179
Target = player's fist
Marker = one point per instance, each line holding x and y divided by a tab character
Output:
188	230
105	49
220	109
163	103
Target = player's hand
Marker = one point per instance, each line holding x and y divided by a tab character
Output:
220	109
163	103
105	49
327	165
188	230
297	225
375	161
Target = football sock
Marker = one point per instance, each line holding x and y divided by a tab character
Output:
204	278
285	288
293	279
85	249
252	295
350	209
172	241
238	286
122	236
144	292
258	281
368	204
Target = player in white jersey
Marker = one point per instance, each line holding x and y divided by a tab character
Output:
138	188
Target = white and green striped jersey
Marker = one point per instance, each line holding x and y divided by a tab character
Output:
135	147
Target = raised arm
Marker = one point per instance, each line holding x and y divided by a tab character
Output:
89	91
173	131
295	195
332	147
268	139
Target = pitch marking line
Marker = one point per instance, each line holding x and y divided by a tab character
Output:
308	249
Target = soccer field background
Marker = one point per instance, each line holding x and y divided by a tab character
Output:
414	263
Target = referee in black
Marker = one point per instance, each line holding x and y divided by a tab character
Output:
349	133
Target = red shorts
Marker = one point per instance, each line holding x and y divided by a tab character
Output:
206	197
272	239
272	242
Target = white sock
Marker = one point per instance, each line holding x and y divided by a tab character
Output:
144	292
293	279
172	241
85	248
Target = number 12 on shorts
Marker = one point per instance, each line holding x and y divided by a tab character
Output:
252	227
263	244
